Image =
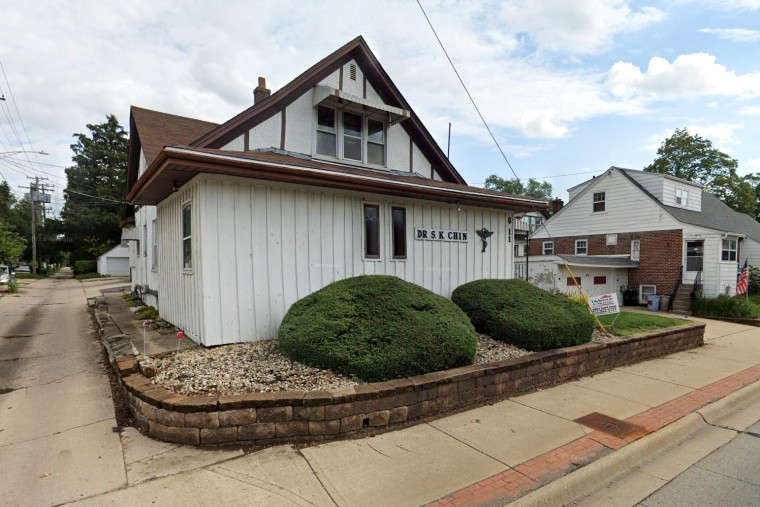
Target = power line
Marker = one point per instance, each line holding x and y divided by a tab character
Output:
18	113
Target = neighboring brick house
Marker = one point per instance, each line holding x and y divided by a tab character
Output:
646	231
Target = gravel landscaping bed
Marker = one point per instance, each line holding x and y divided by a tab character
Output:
259	366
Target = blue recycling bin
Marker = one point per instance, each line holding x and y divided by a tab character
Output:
653	302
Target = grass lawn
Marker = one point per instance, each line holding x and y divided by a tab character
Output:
629	323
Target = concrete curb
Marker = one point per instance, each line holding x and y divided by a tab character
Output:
580	483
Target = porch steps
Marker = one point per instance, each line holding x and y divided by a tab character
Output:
682	301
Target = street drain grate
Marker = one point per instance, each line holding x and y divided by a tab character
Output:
609	425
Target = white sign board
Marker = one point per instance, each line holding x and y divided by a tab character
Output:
606	304
439	235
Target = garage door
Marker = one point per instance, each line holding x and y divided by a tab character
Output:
117	266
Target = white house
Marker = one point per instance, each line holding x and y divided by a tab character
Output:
331	176
647	231
114	262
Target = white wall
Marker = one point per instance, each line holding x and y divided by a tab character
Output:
263	246
398	157
716	273
750	250
114	262
628	209
299	125
548	273
179	290
266	134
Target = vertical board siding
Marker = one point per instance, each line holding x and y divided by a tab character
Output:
265	246
178	290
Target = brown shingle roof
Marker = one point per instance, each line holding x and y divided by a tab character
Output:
156	130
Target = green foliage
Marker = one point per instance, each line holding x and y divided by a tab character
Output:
534	188
6	390
523	315
693	158
628	323
754	280
83	267
738	307
377	328
13	287
12	245
146	312
95	190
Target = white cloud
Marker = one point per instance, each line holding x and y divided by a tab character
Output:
751	111
689	76
753	165
722	135
586	27
734	34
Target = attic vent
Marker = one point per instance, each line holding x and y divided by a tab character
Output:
352	72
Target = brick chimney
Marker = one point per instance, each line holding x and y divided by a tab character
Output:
556	205
261	92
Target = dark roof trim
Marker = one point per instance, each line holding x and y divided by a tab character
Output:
188	162
356	49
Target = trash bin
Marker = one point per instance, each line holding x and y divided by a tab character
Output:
664	303
653	302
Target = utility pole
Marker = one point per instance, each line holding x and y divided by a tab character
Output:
36	194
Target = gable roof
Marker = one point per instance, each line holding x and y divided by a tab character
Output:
357	50
151	131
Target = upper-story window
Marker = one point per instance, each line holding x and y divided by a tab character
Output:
581	247
600	200
682	197
548	247
728	250
350	135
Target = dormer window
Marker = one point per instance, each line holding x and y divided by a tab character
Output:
682	197
350	135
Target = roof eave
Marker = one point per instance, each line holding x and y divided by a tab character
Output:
175	167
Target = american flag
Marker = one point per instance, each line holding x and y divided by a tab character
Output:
741	285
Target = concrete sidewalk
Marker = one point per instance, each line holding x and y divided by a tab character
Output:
486	456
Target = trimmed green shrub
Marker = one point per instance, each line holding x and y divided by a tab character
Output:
82	267
377	327
738	307
523	315
753	287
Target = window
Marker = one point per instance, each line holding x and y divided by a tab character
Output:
372	231
517	250
611	239
155	244
145	240
600	280
581	247
398	216
728	250
548	247
375	142
326	131
573	282
599	201
682	197
694	253
635	249
187	251
350	135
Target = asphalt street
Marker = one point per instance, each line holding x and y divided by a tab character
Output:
729	475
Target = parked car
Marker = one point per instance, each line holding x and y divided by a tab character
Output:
7	275
23	269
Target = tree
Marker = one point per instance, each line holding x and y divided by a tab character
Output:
11	244
7	201
95	190
693	158
534	188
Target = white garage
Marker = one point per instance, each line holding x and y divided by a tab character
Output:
114	262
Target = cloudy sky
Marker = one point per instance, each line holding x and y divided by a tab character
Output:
569	88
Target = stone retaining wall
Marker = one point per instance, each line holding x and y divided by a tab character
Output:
274	417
